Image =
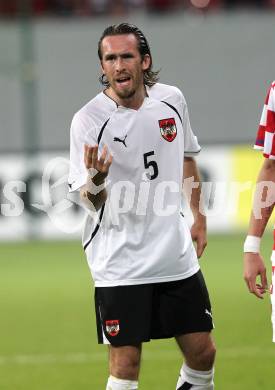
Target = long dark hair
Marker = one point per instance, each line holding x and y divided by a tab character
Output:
150	77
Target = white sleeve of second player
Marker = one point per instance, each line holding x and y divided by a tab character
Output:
191	145
80	135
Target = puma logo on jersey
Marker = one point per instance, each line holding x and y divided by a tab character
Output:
208	312
71	184
116	139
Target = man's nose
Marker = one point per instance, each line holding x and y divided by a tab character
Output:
120	65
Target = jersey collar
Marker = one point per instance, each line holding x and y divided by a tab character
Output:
113	103
109	99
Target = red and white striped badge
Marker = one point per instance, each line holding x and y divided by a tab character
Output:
112	327
168	129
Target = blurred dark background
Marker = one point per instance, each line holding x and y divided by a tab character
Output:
90	8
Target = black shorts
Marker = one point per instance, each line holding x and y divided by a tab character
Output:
129	315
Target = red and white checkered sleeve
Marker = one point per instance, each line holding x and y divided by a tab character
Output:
265	140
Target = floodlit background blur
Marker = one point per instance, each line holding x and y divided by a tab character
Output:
221	54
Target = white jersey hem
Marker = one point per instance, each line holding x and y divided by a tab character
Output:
191	153
257	147
161	279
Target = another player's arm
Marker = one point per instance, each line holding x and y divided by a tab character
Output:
253	261
198	229
94	193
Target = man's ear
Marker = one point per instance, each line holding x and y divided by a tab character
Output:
146	62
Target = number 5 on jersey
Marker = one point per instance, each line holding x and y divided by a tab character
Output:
150	163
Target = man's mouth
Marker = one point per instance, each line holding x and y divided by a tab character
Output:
123	80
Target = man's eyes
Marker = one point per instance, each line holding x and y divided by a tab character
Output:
127	56
110	58
113	57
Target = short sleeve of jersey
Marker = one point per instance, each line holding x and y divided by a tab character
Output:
265	140
173	96
81	133
191	145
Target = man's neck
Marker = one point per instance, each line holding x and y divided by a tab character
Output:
134	102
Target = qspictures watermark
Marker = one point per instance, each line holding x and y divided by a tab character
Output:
55	201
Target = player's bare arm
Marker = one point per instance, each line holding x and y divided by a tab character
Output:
253	262
198	229
94	193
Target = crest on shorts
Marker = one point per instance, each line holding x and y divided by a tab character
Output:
112	327
168	129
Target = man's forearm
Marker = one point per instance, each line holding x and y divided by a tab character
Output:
94	194
93	202
193	188
257	225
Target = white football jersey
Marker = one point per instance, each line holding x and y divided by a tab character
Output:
140	234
